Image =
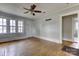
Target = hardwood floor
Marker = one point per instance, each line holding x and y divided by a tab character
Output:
32	47
71	44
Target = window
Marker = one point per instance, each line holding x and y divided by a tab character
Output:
76	29
76	25
12	26
20	26
3	25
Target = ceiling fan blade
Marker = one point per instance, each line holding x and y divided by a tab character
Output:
26	12
33	6
26	9
37	11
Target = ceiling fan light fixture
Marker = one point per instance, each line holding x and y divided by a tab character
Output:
33	14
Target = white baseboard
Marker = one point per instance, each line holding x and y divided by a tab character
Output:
48	39
11	39
44	38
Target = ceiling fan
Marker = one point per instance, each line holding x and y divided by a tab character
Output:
32	10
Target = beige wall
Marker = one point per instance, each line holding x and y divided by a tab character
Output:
67	28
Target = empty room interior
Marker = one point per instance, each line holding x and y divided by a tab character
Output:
39	29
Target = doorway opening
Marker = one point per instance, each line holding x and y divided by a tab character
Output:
70	31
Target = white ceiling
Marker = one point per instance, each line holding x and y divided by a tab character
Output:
49	8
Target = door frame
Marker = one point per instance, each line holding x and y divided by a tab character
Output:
66	14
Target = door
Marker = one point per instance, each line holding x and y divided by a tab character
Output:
67	28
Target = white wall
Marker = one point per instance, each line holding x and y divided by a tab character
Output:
30	28
51	30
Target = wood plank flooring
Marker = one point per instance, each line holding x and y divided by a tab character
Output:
32	47
71	44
